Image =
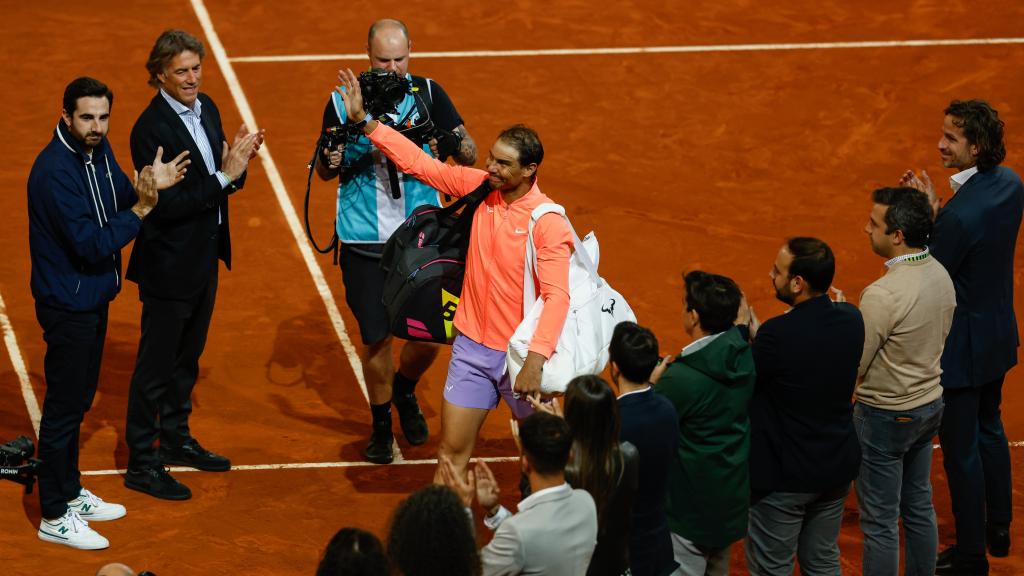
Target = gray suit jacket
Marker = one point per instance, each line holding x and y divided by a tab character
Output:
554	533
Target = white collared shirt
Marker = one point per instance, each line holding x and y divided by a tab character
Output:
640	391
699	343
904	257
503	513
960	178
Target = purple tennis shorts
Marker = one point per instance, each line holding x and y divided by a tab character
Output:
477	379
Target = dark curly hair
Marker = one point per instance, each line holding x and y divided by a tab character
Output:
982	127
431	535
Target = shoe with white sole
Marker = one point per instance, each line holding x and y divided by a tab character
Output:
71	530
93	508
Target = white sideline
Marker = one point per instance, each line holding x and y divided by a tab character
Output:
308	465
290	214
648	50
18	362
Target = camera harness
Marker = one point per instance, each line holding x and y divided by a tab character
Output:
327	137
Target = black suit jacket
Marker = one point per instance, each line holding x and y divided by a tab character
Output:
802	437
176	252
974	238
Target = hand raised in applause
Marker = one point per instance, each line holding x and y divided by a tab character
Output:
352	94
145	189
922	184
464	488
168	174
487	491
234	159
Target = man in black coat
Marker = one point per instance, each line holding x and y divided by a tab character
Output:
175	262
974	238
804	451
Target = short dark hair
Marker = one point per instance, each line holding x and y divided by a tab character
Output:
546	441
908	211
813	261
167	46
526	142
383	22
982	127
353	552
716	299
634	349
431	534
85	87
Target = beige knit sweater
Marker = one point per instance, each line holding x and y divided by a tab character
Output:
907	315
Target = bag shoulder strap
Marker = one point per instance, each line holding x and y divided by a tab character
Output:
579	252
423	96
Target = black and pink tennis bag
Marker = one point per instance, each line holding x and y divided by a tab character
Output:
425	262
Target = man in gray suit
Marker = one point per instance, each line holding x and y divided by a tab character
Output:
555	530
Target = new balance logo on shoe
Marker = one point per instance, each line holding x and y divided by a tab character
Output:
71	530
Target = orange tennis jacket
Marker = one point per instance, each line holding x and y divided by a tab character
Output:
491	305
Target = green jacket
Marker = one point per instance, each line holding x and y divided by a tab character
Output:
709	479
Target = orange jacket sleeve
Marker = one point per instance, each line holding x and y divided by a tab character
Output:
554	246
411	159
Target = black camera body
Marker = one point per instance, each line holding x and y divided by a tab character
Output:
383	91
17	463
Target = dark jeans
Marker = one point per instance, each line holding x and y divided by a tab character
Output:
74	350
166	368
976	457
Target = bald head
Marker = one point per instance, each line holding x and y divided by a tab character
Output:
115	569
388	45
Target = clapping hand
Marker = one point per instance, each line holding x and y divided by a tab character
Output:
464	488
167	174
922	184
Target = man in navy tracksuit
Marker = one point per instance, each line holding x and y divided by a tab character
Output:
82	210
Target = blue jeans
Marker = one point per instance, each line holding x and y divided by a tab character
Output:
895	483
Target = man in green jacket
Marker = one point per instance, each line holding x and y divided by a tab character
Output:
710	384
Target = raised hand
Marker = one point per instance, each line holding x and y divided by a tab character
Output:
168	174
464	488
145	188
551	407
922	184
660	369
352	94
487	490
235	159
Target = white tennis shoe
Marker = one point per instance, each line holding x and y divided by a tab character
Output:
91	507
71	530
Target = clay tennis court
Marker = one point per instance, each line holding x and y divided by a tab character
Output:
687	135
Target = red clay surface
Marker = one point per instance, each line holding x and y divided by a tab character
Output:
678	161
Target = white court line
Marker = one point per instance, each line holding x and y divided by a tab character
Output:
14	351
308	465
290	214
648	50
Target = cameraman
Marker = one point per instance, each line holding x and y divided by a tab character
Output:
369	210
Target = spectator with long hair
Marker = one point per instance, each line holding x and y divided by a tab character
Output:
431	535
604	467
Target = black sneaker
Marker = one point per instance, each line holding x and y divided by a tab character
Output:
379	450
998	539
193	455
157	482
414	425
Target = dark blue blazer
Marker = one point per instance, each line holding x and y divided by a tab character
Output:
649	422
974	238
802	437
176	252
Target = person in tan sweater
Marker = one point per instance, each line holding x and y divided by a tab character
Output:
907	315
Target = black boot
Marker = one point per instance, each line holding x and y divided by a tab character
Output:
998	538
379	450
410	417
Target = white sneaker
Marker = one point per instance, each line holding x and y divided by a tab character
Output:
71	530
91	507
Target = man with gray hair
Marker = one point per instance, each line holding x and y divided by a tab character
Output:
175	262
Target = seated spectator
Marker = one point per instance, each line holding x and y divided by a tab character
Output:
353	552
649	422
710	384
555	530
432	535
602	466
